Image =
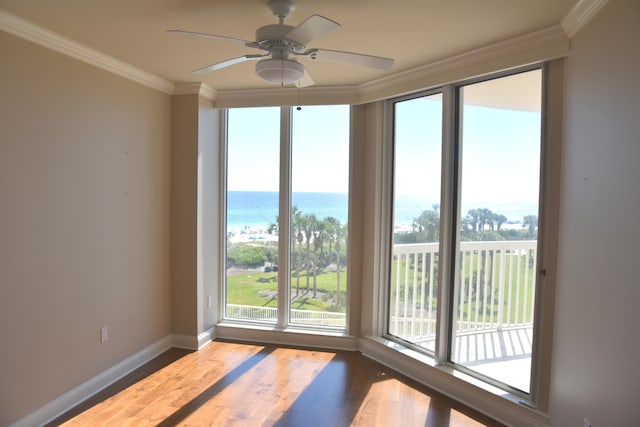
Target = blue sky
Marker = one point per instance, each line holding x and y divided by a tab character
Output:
500	151
320	153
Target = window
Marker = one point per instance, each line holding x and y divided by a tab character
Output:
287	210
319	212
499	142
416	219
473	307
253	147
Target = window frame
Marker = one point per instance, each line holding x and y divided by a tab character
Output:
283	321
449	232
389	198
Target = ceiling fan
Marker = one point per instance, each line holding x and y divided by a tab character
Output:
282	44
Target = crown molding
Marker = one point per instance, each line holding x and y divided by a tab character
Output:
583	12
195	88
529	48
323	95
538	46
208	92
34	33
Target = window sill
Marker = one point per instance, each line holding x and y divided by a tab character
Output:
506	407
296	336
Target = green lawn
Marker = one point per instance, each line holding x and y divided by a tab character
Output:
259	289
516	293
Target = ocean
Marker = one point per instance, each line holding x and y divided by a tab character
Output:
255	210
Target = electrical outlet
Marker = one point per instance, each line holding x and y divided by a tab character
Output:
104	333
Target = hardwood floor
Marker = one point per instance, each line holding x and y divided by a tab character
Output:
232	384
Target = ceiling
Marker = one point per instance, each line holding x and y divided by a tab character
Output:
413	32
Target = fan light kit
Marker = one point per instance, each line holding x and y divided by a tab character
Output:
282	42
280	71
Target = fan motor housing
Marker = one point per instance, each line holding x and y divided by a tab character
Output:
272	37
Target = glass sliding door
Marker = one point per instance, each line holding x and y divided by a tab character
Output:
412	295
319	213
462	279
493	304
253	153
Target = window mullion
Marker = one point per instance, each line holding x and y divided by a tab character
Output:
448	206
222	245
284	227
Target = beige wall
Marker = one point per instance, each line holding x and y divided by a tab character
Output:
89	206
210	251
366	181
195	204
596	353
84	223
184	180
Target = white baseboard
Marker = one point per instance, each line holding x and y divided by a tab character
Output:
67	401
191	342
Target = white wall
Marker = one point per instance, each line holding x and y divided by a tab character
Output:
596	354
84	223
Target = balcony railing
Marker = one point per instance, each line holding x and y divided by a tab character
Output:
270	314
494	288
494	292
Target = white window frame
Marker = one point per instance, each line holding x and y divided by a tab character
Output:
538	395
239	328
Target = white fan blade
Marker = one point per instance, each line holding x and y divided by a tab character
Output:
350	58
228	62
306	80
313	27
243	42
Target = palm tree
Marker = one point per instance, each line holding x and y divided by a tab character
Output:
331	225
307	224
318	237
485	218
429	223
474	216
300	239
499	219
531	222
340	234
296	236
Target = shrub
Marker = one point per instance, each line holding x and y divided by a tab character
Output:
245	256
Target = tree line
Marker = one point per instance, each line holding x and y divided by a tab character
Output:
478	224
315	245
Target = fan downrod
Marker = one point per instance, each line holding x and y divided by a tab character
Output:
281	8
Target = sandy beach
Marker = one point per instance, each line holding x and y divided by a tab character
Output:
249	235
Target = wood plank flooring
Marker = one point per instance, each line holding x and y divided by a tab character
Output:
233	384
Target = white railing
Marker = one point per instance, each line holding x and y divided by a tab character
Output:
270	314
413	306
494	288
494	291
237	311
